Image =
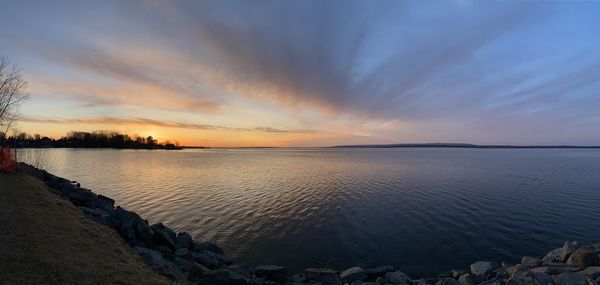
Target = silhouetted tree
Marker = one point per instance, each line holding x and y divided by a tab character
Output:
12	93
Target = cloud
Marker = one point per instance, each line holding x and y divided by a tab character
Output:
157	123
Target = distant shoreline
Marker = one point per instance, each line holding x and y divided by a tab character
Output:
459	145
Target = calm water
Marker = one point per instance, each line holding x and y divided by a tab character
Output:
422	210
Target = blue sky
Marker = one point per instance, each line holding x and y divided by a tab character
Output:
311	73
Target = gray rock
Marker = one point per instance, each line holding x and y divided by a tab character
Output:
297	278
206	260
272	272
528	277
163	236
352	274
128	221
469	279
552	256
208	246
104	203
82	198
379	271
457	273
145	233
570	278
166	252
555	269
584	256
397	277
531	261
480	268
161	265
223	277
323	275
243	270
447	281
565	251
592	272
184	240
182	252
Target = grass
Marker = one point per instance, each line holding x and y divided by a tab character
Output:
47	240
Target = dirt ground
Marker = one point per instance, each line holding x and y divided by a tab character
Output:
47	240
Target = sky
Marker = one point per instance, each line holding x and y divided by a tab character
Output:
310	73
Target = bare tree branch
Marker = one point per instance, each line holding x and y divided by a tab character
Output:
12	93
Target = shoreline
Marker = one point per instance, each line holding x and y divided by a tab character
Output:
178	257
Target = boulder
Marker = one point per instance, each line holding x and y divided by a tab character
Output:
570	278
162	266
244	270
223	277
104	203
272	272
163	237
128	221
195	271
565	251
469	279
145	233
352	274
592	272
447	281
182	252
555	269
166	252
528	277
184	240
552	257
373	273
82	198
206	259
457	273
397	277
325	276
480	268
584	256
208	246
531	262
297	278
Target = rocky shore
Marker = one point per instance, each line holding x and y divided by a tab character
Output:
185	261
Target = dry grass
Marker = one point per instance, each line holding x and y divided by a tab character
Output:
47	240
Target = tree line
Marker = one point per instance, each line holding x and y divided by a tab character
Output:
95	139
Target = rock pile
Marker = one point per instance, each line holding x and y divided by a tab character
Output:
185	261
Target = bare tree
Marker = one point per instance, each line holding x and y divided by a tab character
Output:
12	93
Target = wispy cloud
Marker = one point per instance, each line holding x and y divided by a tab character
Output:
157	123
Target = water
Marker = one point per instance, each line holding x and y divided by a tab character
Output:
423	210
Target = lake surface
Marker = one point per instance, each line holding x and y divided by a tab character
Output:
423	210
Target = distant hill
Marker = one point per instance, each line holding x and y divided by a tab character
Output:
456	145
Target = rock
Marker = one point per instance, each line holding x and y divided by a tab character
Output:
397	277
373	273
184	240
352	274
206	260
480	268
570	278
182	252
145	233
566	251
82	198
469	279
104	203
128	221
297	278
552	256
447	281
457	273
584	256
166	252
243	270
92	213
531	261
162	266
592	272
208	246
555	269
223	277
323	275
528	277
162	237
271	272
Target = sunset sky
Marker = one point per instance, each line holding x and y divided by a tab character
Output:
310	73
